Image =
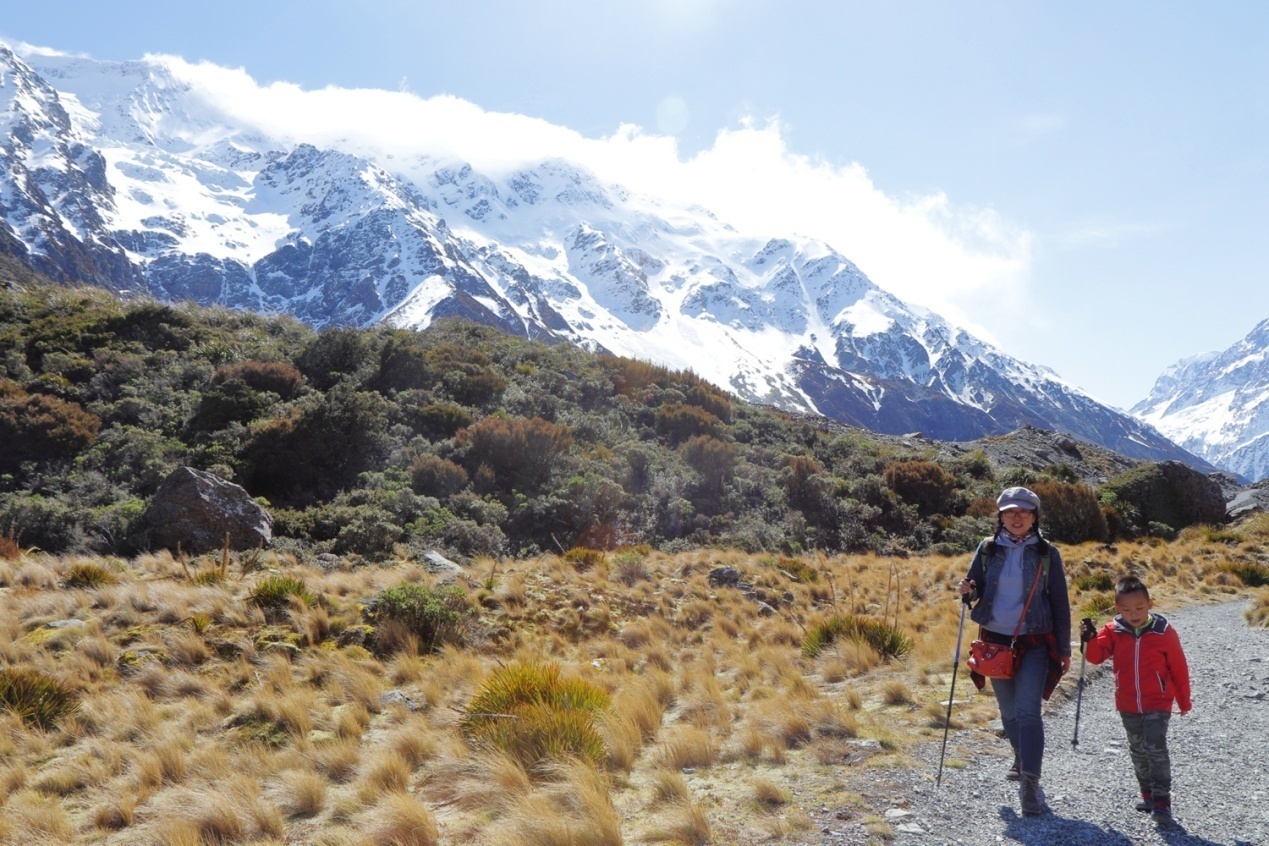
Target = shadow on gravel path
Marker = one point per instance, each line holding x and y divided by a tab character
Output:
1058	830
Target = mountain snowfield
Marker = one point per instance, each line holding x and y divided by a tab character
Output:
126	176
1217	405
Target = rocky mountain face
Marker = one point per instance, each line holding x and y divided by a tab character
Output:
1217	405
124	176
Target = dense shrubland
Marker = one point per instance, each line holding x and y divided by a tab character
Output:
381	441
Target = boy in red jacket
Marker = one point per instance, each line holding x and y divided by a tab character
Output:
1150	674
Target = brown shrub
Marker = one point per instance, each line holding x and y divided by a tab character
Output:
520	452
278	377
36	427
431	475
923	484
1071	512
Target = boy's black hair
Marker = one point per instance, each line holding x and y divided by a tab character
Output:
1131	584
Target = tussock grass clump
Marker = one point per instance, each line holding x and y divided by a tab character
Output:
89	574
1258	614
583	558
769	794
401	820
1095	581
1251	574
39	700
274	592
1098	605
208	578
432	616
535	716
798	569
886	638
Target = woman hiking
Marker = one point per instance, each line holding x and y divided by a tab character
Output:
1019	589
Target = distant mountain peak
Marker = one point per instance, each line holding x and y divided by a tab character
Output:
1216	405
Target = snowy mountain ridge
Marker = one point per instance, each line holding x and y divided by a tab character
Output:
124	176
1217	405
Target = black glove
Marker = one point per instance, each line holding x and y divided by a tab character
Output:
1088	630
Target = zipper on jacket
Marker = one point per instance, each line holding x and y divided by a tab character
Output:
1136	670
1162	687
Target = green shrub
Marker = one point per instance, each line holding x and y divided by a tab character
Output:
887	639
1251	574
320	447
436	616
37	699
976	465
337	354
275	592
532	714
89	574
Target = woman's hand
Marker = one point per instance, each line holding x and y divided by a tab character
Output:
1065	663
967	587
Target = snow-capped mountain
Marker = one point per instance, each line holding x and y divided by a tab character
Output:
123	175
1216	405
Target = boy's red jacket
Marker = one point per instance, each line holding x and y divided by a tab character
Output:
1150	668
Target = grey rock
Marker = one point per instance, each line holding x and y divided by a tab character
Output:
197	511
724	577
397	697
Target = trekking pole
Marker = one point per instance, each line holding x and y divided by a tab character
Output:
947	721
1079	698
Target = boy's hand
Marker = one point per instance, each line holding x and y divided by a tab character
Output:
1088	630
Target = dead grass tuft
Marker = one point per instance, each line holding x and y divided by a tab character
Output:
401	820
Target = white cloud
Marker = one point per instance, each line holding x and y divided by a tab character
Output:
924	249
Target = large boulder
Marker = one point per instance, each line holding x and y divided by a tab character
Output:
196	510
1170	493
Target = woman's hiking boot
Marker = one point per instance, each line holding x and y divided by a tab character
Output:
1014	773
1029	795
1162	810
1146	803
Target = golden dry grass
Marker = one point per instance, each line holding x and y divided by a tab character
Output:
203	719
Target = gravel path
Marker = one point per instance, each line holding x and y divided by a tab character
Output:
1220	760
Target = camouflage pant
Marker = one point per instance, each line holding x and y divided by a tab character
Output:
1148	747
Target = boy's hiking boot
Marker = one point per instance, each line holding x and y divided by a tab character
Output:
1162	810
1145	804
1014	773
1029	795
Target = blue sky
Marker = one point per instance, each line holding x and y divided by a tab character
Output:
1087	184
